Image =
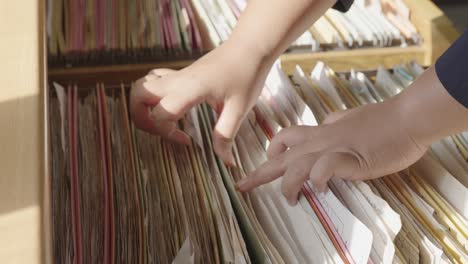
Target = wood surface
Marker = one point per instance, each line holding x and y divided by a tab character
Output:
434	26
21	138
358	59
114	74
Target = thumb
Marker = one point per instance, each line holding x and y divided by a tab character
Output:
161	72
166	114
334	164
173	107
226	129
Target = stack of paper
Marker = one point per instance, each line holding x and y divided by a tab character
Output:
378	23
434	226
118	31
122	195
85	32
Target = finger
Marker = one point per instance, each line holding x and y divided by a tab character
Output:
286	138
304	139
146	78
267	172
215	105
226	128
161	72
167	130
173	107
179	136
295	176
142	96
149	77
165	116
333	164
140	117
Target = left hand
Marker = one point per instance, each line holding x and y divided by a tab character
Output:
229	78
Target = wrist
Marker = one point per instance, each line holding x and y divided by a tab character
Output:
247	59
413	113
407	119
250	50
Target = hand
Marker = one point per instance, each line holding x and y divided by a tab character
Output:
358	144
229	78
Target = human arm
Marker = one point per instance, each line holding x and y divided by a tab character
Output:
229	78
373	140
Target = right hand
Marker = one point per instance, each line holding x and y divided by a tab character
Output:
229	79
358	144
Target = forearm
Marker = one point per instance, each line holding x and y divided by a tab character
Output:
267	27
436	104
429	112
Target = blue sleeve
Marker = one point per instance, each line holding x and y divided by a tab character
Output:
452	69
343	5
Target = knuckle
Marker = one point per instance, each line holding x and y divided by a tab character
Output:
164	112
146	85
281	134
139	81
285	132
276	141
363	164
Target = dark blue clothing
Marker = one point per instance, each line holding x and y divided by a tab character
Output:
343	5
452	69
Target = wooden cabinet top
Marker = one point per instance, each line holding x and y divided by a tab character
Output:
22	143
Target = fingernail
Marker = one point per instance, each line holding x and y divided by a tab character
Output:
240	185
230	160
187	140
292	202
